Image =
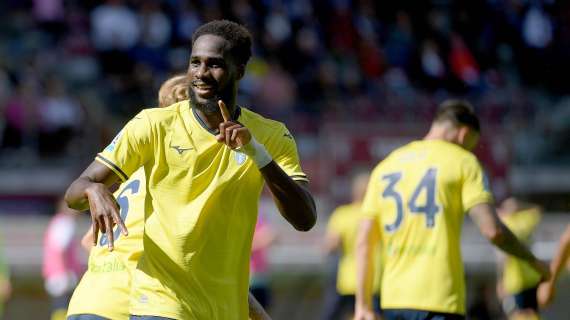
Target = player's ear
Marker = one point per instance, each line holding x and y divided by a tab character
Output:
462	134
468	137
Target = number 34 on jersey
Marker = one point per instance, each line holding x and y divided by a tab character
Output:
413	205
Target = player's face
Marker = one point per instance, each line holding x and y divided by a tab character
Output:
212	72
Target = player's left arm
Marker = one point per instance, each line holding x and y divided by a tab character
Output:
292	197
546	290
367	235
256	311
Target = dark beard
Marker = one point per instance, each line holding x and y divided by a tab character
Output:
211	105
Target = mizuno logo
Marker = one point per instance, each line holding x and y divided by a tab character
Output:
181	150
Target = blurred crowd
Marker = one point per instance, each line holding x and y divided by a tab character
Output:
73	69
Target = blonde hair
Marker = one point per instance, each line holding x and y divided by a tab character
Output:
173	90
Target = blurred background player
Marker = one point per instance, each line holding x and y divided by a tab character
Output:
5	284
419	195
546	290
61	264
517	281
341	239
264	237
104	290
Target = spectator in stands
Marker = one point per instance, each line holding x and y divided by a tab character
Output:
115	30
61	265
60	118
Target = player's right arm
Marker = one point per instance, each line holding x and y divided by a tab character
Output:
367	235
492	228
546	289
91	191
128	151
333	238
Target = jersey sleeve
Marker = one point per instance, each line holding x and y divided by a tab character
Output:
284	152
130	149
475	188
335	224
371	202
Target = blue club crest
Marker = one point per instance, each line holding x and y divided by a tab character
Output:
240	157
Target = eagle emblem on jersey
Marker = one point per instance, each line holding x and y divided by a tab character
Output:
111	146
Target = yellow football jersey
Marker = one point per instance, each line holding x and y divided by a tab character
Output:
202	199
104	289
419	195
344	221
517	274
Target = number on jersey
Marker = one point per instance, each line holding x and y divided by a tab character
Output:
429	208
123	201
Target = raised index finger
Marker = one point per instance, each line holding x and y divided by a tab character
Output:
224	111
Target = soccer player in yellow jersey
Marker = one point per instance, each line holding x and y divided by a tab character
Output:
205	162
109	273
562	258
341	237
517	281
418	196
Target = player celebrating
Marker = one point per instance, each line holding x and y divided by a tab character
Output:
206	161
418	195
109	272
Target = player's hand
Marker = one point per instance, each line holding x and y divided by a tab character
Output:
104	213
364	314
545	294
232	133
543	269
5	289
500	290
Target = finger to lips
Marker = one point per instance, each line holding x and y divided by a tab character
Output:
224	110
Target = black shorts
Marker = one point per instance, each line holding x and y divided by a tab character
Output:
411	314
526	299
